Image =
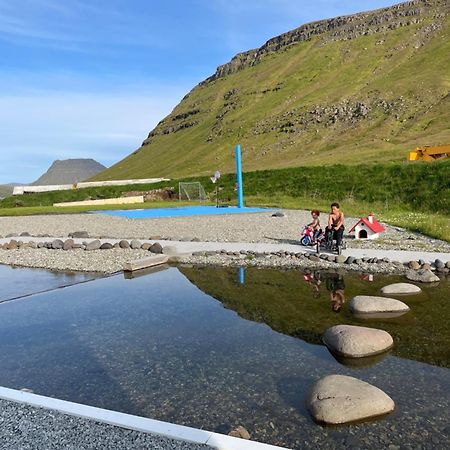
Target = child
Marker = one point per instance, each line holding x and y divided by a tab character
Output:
335	228
315	224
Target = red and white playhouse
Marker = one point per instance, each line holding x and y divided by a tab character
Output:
367	228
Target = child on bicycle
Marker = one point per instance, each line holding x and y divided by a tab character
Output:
335	228
314	226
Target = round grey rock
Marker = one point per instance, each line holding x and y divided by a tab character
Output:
124	244
135	244
106	246
357	342
57	244
422	275
93	245
68	244
338	399
156	248
400	288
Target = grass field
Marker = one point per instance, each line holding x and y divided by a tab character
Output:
414	196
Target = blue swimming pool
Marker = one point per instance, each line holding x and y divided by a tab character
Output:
179	212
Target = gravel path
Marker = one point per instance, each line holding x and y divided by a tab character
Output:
258	227
25	427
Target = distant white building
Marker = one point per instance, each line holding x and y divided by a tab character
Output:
367	228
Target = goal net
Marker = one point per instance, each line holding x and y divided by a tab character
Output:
191	191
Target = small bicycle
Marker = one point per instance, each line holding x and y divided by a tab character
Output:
308	238
331	244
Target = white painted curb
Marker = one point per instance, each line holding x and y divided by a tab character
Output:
142	424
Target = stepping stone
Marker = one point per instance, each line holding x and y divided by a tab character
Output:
145	263
357	342
338	399
422	275
401	288
371	306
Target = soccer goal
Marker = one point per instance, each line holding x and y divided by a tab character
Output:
191	191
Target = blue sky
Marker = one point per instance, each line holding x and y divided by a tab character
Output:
91	78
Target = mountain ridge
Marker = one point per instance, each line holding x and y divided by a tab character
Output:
361	88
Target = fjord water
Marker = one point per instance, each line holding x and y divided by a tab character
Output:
164	346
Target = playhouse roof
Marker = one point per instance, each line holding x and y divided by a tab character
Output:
375	226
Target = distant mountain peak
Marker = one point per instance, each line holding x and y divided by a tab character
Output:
70	171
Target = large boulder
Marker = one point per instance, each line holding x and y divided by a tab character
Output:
357	342
400	288
338	399
371	305
422	275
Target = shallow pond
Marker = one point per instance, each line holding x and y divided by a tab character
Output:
216	348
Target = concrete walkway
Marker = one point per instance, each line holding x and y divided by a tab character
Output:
190	247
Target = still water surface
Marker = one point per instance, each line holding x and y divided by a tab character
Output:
165	347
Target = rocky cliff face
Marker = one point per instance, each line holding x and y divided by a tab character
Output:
70	171
338	28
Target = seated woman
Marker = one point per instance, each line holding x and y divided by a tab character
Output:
335	228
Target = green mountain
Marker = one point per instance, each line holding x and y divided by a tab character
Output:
356	89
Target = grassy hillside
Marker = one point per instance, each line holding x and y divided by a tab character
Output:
362	89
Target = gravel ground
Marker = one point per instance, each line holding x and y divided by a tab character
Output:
100	261
25	427
258	227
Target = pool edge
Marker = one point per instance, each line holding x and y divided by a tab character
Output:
136	423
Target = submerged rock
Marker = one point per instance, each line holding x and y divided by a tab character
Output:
368	304
400	288
357	342
338	399
422	275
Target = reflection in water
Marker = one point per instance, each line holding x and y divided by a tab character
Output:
241	274
336	285
158	346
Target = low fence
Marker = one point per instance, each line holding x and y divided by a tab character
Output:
20	190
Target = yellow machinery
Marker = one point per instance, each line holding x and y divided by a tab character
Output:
428	153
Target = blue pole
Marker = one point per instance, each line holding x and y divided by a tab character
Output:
239	177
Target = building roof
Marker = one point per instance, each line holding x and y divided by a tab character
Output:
375	226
